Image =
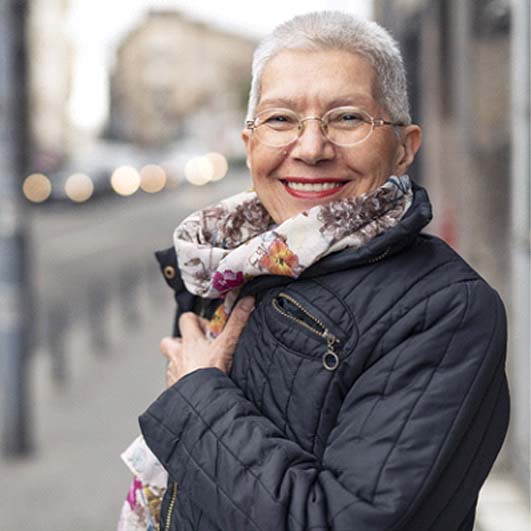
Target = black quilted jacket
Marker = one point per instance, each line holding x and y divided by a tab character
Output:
368	395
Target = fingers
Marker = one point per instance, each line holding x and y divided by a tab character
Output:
194	350
169	346
237	321
190	325
204	324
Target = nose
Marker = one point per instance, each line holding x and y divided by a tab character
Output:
312	146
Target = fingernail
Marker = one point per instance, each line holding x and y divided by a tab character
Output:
247	304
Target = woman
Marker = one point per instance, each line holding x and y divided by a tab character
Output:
366	389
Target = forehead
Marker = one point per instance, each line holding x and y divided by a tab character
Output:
305	79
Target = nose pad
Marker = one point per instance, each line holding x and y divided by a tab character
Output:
312	144
320	124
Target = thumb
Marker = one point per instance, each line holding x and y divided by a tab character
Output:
237	320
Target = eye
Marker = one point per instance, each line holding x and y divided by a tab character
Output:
278	119
346	118
351	116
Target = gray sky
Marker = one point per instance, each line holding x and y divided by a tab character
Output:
96	28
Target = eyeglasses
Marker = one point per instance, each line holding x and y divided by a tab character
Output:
343	126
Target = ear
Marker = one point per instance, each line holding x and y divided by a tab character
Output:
409	144
246	137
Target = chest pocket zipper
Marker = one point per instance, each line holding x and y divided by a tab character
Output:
295	311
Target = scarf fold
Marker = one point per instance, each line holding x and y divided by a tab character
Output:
221	247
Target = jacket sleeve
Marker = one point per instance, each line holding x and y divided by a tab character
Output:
408	435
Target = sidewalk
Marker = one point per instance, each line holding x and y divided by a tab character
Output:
502	505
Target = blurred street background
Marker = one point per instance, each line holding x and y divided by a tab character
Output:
117	119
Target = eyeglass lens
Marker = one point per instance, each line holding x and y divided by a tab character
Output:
342	126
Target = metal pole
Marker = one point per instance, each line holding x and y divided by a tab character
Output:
520	339
14	290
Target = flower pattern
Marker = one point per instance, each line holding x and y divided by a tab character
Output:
221	247
136	485
217	323
240	221
339	219
227	280
141	509
280	260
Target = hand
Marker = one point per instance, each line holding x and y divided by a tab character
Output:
194	351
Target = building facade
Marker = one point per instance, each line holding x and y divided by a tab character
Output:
50	67
173	75
469	73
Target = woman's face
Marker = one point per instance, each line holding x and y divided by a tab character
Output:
311	83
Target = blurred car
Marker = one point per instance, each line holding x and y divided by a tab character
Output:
98	164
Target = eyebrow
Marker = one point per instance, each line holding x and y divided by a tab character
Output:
340	100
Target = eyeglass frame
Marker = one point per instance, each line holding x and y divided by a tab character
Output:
373	122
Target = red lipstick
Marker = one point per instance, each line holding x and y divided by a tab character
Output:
307	194
317	180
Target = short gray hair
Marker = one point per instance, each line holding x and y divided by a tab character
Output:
326	30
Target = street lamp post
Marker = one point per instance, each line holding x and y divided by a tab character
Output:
15	320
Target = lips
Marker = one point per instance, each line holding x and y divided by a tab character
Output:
305	188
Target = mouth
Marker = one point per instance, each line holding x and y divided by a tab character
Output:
304	188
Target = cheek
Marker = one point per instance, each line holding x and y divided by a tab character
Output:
375	159
263	162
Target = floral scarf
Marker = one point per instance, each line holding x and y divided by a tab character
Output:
223	246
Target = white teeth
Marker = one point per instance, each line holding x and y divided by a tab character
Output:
313	187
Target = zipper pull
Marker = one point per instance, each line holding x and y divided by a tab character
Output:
330	358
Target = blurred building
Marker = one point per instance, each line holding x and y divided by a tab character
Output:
50	57
173	76
468	68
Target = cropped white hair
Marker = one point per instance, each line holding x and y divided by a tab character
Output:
326	30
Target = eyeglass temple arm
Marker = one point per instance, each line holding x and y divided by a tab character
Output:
376	122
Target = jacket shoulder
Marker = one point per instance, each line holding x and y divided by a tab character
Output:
384	291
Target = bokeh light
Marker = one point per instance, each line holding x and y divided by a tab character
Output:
199	170
219	164
125	180
37	187
152	178
79	187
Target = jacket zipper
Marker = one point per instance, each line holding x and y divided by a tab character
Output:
170	507
330	358
381	256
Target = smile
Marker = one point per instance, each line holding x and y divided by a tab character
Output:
312	188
